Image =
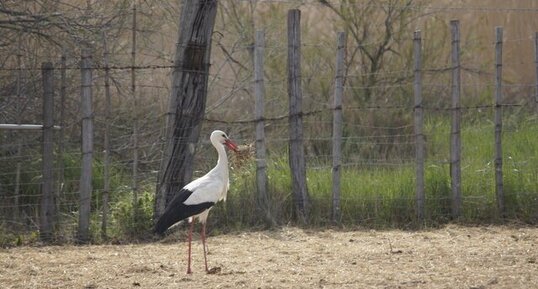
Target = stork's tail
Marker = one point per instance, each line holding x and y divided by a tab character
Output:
163	223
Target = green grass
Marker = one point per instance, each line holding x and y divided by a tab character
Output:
383	196
377	196
380	196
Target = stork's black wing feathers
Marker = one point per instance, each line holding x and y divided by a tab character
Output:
177	211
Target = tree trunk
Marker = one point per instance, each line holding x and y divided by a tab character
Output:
187	100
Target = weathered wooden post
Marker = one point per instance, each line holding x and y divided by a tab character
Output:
61	137
106	164
134	182
338	125
455	138
536	65
419	125
296	148
498	122
18	136
87	147
47	212
264	205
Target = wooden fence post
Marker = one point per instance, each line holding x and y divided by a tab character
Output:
61	136
338	126
135	119
536	65
47	212
455	138
264	205
106	165
87	147
419	124
498	122
18	136
296	148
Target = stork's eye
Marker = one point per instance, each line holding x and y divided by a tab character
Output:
224	136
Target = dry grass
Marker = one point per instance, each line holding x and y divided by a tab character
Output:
452	257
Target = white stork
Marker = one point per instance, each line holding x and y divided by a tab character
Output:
196	198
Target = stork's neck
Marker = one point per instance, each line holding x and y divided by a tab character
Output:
222	162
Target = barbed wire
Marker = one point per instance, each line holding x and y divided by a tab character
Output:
448	7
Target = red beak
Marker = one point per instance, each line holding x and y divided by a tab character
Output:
231	145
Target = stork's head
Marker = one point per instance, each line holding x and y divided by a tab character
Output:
219	136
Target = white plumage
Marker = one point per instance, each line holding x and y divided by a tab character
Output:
198	197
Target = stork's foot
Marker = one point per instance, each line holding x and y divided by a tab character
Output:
189	271
214	270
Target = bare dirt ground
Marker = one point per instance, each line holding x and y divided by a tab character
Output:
452	257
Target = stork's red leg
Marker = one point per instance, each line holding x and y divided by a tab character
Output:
203	244
189	271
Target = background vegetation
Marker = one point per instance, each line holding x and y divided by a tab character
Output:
378	176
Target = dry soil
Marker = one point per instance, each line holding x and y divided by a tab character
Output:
451	257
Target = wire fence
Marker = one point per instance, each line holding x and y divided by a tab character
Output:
378	159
